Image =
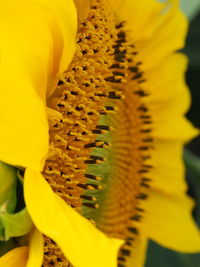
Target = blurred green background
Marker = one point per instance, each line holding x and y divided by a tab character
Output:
158	256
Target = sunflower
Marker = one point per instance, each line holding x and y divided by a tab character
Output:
92	109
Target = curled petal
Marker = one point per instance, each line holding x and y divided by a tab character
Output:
74	234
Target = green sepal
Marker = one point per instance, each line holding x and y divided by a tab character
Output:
17	224
11	224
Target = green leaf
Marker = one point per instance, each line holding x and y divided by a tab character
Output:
16	224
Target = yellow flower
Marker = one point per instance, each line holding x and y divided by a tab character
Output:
121	83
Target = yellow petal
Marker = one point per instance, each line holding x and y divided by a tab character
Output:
35	257
153	27
138	15
138	252
168	172
37	42
179	128
169	222
167	218
16	257
172	93
171	90
165	39
80	241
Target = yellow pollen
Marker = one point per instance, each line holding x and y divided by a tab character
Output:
103	83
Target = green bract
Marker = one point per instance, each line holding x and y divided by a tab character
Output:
16	224
8	182
11	224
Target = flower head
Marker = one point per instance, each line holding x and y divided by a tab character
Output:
111	148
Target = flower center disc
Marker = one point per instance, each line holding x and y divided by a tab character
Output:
98	149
